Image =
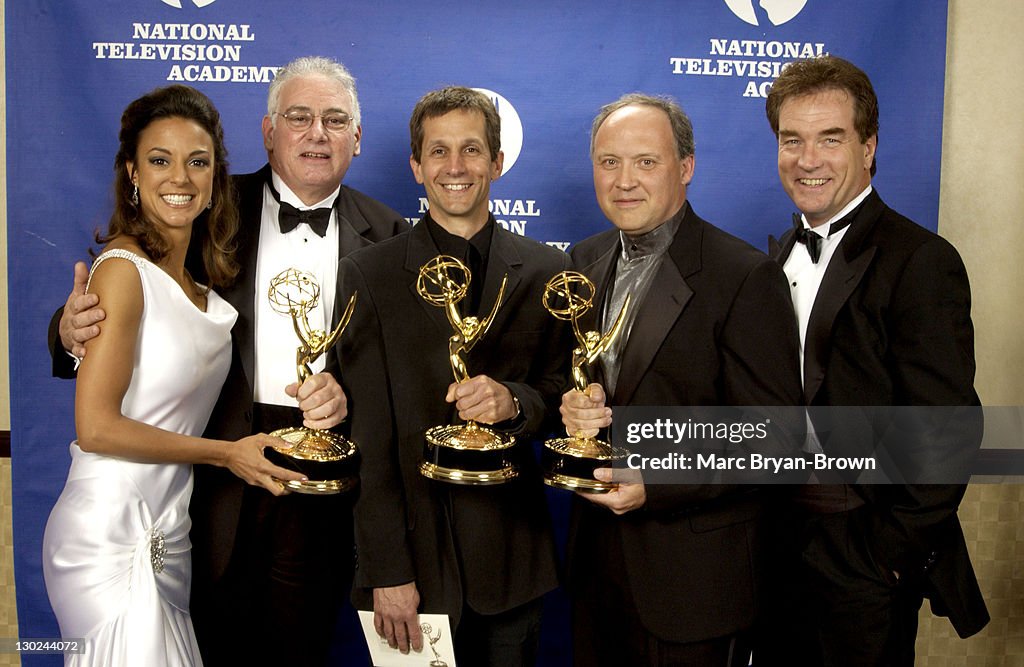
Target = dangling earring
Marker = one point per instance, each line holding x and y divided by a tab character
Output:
135	195
209	204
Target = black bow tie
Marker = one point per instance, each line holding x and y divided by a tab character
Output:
812	239
289	217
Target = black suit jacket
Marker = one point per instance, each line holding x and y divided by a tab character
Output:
217	495
715	329
489	547
891	326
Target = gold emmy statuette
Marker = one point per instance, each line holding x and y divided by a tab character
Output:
462	453
433	639
569	463
327	459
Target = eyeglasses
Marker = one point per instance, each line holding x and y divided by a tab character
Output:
302	119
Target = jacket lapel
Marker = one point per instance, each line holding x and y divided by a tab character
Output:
352	225
502	260
779	249
844	273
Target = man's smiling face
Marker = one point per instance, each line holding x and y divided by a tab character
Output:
456	168
639	178
823	164
312	162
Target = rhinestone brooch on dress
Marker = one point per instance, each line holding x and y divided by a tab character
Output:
157	550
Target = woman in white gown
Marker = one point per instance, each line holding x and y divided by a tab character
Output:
116	549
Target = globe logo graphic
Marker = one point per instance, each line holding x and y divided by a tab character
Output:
198	3
764	12
511	128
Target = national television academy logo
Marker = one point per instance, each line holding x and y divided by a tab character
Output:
198	3
763	12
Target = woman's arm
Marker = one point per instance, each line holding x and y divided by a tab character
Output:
103	381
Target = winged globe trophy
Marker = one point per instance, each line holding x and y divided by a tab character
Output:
327	459
462	453
569	462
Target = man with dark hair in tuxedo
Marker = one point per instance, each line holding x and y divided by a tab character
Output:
883	307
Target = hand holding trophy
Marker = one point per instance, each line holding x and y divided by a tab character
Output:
462	453
327	459
569	463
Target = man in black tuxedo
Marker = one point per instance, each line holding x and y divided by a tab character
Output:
483	555
669	574
270	573
883	308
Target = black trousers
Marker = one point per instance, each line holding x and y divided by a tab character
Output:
832	602
288	577
508	639
607	629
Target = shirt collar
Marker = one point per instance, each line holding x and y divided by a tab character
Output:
654	242
290	197
452	244
826	229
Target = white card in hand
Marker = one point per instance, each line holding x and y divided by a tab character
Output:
438	650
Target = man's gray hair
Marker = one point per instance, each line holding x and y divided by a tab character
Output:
313	66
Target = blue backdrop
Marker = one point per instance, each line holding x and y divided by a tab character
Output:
73	65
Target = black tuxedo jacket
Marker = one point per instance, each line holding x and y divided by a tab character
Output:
715	329
489	547
891	326
217	496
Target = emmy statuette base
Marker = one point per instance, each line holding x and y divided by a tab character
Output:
580	484
569	463
328	460
468	454
468	477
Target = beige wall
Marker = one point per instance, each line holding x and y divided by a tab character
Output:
982	193
980	202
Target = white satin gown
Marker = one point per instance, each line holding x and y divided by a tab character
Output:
116	552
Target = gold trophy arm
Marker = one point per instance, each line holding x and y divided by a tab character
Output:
304	353
455	349
591	347
340	329
452	311
486	323
580	379
581	337
302	368
611	334
301	332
